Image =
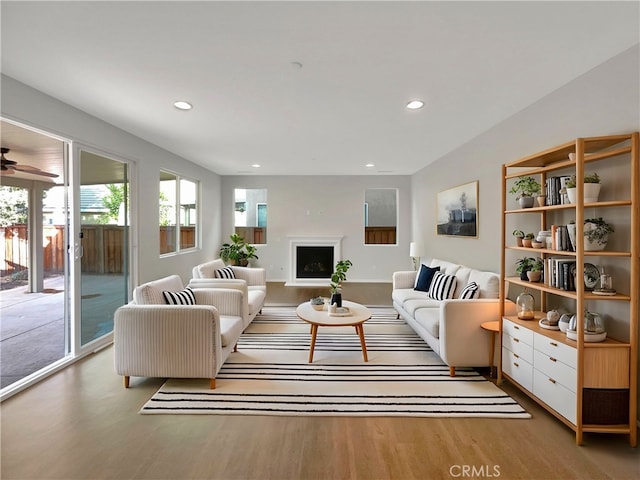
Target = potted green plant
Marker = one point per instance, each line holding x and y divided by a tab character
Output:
338	276
596	234
519	234
591	188
237	251
535	271
317	303
523	266
528	238
525	186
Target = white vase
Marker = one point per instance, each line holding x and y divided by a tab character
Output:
595	246
591	193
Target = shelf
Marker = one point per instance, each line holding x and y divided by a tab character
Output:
543	287
566	206
599	253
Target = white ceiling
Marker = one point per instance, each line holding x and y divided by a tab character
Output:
473	63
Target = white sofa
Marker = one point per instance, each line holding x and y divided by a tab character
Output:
451	327
251	281
155	339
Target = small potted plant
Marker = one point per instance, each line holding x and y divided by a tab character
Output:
596	234
523	266
526	187
519	234
528	238
317	303
338	276
535	271
591	188
237	251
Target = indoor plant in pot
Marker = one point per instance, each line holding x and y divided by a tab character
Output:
237	251
535	272
591	188
338	276
519	234
528	238
523	266
526	187
596	234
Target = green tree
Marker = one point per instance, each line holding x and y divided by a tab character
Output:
112	201
13	206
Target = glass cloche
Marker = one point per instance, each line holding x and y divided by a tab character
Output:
525	306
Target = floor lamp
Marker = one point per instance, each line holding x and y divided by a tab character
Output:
415	253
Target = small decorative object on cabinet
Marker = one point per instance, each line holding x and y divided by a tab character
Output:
526	304
578	373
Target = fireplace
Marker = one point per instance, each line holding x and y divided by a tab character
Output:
312	260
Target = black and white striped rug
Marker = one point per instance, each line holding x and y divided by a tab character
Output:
270	375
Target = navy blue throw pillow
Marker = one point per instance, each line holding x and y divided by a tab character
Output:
424	277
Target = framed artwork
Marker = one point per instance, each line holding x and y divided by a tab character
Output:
457	211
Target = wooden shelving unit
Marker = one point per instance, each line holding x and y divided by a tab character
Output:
592	379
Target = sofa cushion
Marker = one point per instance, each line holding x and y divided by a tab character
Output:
470	291
410	306
462	279
230	329
226	272
488	283
442	286
185	297
401	295
429	319
424	277
445	267
151	293
208	269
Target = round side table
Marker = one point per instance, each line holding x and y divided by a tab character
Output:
492	327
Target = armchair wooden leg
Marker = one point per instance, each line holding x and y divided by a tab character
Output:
126	381
212	383
452	371
235	347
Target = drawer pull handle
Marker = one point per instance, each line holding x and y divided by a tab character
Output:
516	340
553	359
516	327
552	380
516	355
516	364
553	344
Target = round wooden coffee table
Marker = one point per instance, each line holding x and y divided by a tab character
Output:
322	318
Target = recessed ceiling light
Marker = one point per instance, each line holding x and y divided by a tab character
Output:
369	165
256	165
182	105
415	104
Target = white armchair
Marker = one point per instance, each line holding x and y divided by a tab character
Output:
154	339
251	281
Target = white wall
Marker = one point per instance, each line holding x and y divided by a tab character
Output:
37	110
603	101
324	205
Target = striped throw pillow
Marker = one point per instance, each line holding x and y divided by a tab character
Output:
470	292
226	272
442	286
185	297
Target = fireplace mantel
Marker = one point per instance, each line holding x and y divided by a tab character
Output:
334	241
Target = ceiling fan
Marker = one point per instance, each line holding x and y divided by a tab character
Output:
9	167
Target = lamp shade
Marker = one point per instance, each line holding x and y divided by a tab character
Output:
415	250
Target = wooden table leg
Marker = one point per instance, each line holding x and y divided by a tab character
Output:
314	332
492	349
360	330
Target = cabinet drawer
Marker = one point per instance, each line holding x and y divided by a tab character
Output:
516	331
558	397
559	351
518	347
518	369
555	369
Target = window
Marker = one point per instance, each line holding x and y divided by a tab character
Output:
251	214
380	216
178	213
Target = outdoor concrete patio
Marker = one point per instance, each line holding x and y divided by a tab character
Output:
32	333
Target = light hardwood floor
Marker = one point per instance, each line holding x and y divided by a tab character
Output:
82	424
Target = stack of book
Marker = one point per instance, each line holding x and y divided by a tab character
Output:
556	188
559	272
